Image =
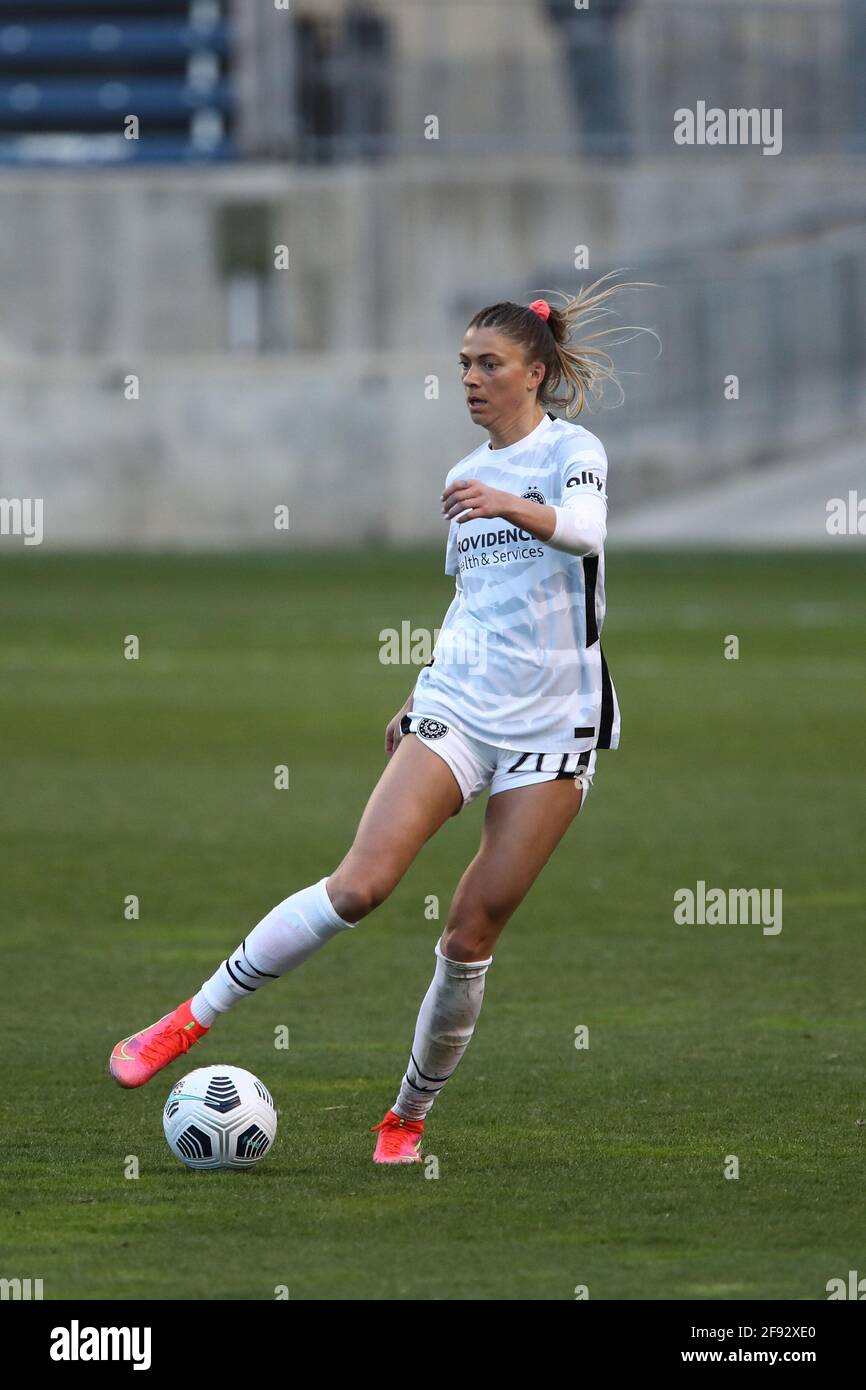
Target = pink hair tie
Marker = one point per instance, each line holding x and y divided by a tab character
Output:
541	308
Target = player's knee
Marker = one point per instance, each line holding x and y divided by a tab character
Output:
357	895
470	935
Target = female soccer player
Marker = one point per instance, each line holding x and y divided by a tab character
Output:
517	700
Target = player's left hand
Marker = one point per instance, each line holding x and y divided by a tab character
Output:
469	499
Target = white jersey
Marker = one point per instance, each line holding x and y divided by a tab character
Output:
518	661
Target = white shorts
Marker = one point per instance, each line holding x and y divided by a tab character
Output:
478	765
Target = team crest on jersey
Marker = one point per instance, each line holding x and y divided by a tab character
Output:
533	495
431	728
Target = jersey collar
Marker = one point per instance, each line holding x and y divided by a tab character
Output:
527	442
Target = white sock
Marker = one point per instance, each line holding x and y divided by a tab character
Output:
446	1022
292	932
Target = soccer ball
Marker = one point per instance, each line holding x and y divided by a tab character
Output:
220	1117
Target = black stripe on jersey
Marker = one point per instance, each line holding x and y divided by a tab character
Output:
606	722
590	576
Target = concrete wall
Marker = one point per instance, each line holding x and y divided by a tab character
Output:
349	444
110	275
129	262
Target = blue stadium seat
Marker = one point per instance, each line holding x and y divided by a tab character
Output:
80	42
40	101
72	70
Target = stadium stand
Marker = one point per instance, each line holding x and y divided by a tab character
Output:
91	81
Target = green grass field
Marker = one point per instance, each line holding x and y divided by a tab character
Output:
557	1167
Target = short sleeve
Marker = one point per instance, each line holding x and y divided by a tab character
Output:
584	470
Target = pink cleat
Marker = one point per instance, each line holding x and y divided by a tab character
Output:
399	1140
140	1056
